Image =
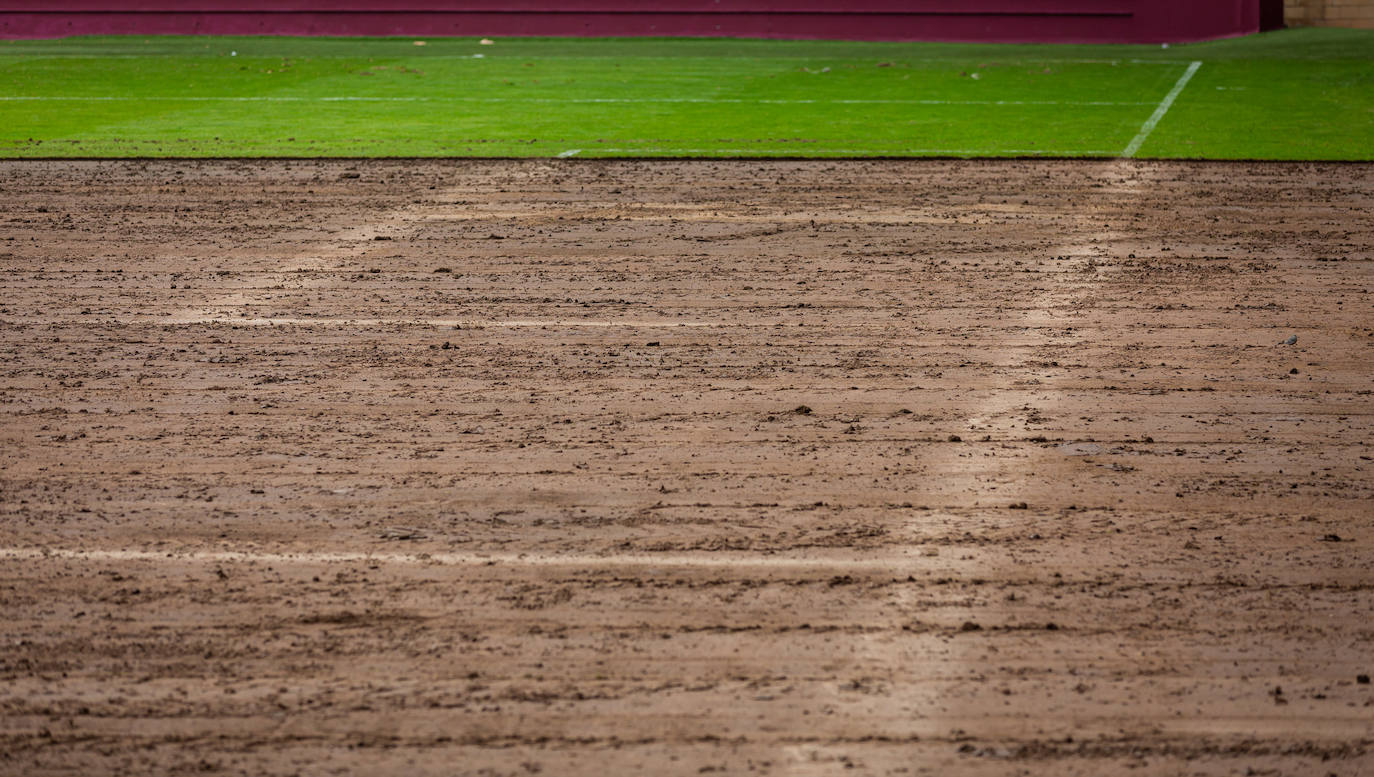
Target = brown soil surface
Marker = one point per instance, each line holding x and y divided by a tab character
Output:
596	468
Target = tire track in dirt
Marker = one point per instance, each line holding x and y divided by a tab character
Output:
997	482
311	268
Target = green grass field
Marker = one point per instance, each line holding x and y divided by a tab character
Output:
1300	95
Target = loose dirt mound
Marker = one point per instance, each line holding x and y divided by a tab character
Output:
662	468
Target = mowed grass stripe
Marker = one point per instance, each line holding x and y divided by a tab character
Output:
670	114
352	129
555	78
1267	96
555	101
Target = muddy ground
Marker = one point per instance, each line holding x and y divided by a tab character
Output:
776	468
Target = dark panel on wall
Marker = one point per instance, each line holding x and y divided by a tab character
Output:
1271	15
1096	21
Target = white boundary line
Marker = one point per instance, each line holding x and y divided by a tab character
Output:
25	53
569	153
551	101
801	149
714	560
1164	105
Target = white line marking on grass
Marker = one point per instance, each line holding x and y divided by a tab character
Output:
797	58
471	559
801	150
569	153
1164	105
216	99
552	100
976	102
31	55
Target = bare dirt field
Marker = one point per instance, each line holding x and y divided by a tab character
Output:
732	468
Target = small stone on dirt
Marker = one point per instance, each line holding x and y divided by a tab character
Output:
802	410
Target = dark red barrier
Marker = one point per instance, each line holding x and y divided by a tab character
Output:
1062	21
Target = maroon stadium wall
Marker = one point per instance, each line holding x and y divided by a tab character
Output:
1061	21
